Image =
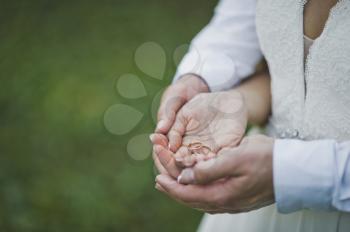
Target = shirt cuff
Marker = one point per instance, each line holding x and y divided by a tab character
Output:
217	70
341	194
303	174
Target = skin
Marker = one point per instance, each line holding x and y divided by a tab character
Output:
316	14
217	120
173	98
210	178
226	119
239	178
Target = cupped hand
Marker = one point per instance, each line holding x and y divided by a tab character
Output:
214	120
237	180
163	157
174	97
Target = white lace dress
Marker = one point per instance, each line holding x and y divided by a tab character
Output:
311	100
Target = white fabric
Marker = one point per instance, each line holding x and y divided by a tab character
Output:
309	103
227	50
323	185
314	104
267	219
307	45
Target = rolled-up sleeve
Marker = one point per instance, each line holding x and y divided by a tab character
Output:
311	175
227	49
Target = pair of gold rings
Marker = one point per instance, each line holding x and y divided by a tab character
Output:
198	148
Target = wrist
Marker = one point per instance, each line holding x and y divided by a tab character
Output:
241	95
194	81
249	107
190	85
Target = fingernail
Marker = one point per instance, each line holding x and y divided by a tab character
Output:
179	159
156	179
157	186
161	124
187	176
179	179
151	137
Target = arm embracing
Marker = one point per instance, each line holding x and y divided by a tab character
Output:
227	49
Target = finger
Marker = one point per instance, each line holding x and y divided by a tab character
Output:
180	155
210	155
176	132
159	139
182	152
200	157
159	187
189	161
193	194
167	160
203	155
168	108
158	165
197	206
213	169
194	205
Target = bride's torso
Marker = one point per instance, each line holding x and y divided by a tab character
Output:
313	104
311	101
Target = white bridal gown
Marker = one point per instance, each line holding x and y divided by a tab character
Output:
311	100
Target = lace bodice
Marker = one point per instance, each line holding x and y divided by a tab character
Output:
310	103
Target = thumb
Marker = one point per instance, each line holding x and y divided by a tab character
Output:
211	170
167	111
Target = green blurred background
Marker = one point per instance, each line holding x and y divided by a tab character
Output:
60	169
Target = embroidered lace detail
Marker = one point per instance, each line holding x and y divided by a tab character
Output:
315	103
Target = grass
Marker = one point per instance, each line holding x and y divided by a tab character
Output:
60	169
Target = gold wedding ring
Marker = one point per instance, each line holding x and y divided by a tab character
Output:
198	148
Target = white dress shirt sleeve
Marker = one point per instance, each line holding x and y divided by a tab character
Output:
227	49
311	175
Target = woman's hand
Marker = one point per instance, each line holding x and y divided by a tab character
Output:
213	120
237	180
217	120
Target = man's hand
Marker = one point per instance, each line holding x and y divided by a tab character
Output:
237	180
175	96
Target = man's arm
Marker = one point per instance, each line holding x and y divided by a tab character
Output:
313	175
299	175
223	53
227	49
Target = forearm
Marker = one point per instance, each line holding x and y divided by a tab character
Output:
227	50
257	97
